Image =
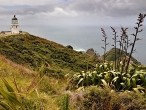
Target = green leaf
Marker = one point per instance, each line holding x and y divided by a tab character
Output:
9	88
136	90
9	95
104	83
123	84
80	81
115	79
133	82
4	105
128	82
140	87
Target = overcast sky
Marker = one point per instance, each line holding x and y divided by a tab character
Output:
72	12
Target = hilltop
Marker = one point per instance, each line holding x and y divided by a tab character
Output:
111	54
33	52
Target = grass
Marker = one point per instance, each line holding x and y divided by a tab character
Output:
40	75
96	98
43	96
32	51
51	94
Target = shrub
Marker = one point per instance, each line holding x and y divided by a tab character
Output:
32	104
45	86
96	98
69	47
104	76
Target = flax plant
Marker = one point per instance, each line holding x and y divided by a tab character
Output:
105	43
135	35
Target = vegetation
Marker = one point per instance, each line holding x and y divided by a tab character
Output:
124	44
32	52
30	90
137	30
114	75
110	56
104	76
115	46
105	43
37	74
93	98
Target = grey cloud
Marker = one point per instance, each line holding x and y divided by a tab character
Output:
127	8
48	6
109	7
25	9
86	6
112	8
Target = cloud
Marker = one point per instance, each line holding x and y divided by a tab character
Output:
25	9
73	11
112	8
119	8
61	12
28	2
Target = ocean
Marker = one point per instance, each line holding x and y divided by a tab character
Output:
82	38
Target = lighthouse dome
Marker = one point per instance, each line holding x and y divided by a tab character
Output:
14	18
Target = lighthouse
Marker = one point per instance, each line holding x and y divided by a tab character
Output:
14	25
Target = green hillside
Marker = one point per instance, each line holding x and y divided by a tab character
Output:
24	89
32	51
110	55
21	88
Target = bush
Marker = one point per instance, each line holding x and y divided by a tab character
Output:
46	87
104	99
96	99
33	104
69	47
104	76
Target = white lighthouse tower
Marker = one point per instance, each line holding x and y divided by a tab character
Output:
14	26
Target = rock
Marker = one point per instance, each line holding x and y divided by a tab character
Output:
91	52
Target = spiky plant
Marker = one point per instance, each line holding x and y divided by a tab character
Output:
105	43
135	35
115	45
9	99
124	45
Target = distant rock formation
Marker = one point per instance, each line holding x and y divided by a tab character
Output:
110	56
91	52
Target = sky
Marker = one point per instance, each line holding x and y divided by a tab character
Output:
72	12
